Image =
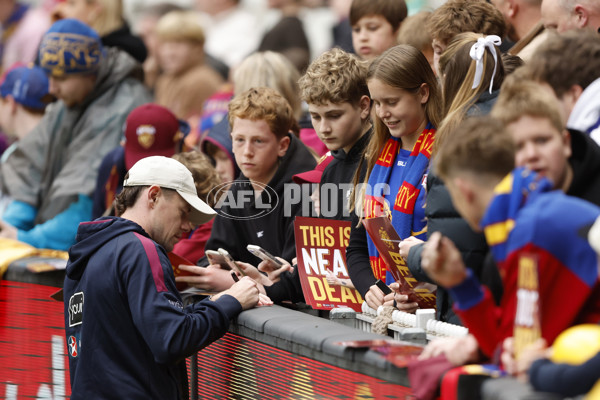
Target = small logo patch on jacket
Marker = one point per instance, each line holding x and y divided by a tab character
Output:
73	347
76	309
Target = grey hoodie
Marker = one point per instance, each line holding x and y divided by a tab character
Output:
59	159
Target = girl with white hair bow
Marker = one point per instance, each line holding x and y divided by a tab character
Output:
471	71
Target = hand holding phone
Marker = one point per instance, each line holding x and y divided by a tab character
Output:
230	261
214	257
264	255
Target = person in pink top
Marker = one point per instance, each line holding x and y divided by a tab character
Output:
22	29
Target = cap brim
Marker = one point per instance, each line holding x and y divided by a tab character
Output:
201	212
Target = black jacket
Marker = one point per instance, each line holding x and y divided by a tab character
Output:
442	217
123	39
357	257
340	171
339	174
585	161
268	223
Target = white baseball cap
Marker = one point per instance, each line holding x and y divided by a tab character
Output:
170	174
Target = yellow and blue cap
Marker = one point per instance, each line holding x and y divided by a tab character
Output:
70	47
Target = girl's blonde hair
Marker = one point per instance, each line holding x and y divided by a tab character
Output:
110	17
269	69
402	67
180	25
458	71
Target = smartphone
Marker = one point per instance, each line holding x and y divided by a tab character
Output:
214	257
263	254
231	261
384	288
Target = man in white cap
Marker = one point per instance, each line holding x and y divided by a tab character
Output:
127	331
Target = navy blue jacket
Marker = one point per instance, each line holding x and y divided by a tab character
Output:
127	331
564	379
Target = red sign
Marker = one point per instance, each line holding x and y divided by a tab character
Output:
387	242
321	247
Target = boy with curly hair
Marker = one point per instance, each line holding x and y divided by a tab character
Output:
255	209
335	88
458	16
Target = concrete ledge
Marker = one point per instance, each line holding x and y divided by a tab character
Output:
315	337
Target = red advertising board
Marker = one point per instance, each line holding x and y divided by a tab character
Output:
33	354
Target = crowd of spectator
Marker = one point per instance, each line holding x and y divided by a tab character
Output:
473	125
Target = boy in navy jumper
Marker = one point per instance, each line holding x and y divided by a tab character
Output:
519	214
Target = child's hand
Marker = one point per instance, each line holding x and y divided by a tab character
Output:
407	244
519	367
458	350
332	279
251	271
273	273
399	300
211	278
374	297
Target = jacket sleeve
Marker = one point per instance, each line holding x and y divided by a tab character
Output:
20	215
564	379
59	232
288	288
476	308
23	170
170	331
288	249
357	259
414	263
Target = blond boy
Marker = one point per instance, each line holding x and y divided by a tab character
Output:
569	158
186	81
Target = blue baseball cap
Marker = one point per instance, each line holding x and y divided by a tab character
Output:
27	85
70	47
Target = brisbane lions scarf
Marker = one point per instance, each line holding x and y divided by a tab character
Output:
401	212
510	196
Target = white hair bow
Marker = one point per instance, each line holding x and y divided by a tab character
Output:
476	53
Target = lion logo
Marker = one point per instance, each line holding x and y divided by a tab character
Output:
146	135
386	238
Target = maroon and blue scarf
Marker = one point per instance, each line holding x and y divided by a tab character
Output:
510	195
401	213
